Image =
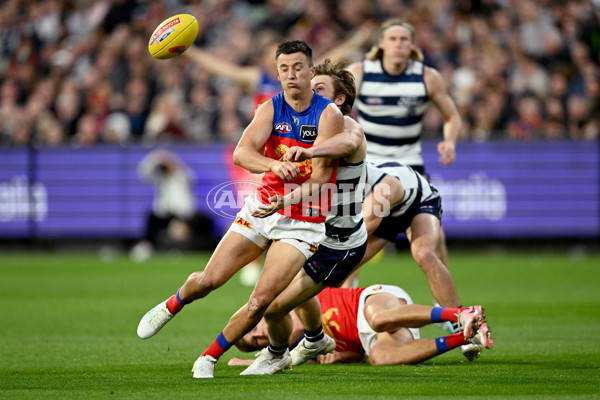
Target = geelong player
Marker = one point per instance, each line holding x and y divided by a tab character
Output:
295	117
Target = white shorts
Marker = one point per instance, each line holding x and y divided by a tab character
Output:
366	334
305	236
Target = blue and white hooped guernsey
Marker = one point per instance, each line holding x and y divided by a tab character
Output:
344	226
390	110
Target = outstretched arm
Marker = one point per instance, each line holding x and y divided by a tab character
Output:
342	145
444	103
247	77
354	43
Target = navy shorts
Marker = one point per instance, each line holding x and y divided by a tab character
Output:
332	266
391	227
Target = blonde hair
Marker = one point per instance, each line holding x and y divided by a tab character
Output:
377	52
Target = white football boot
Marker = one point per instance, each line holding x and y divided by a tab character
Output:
306	350
204	367
154	320
268	364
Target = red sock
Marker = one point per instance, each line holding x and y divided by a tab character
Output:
173	305
455	340
449	314
218	347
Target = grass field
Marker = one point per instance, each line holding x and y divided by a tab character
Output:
69	322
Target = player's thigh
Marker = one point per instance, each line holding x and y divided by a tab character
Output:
301	289
374	245
233	252
424	230
282	263
377	303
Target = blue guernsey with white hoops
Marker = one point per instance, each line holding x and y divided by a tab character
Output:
344	226
390	110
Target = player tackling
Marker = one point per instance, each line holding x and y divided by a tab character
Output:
283	221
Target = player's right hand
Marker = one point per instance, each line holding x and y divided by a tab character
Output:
286	170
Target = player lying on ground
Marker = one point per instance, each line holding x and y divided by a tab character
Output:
379	322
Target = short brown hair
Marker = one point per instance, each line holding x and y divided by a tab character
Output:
343	82
295	46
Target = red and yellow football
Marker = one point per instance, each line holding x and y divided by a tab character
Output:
173	36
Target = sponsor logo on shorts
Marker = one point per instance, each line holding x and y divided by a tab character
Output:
308	133
242	222
314	247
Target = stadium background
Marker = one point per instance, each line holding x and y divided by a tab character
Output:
81	102
77	89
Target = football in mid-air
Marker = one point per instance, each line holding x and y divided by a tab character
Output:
173	36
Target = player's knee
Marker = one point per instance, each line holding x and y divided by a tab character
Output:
424	256
379	356
257	305
377	322
274	314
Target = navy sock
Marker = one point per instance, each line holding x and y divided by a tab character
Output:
278	351
314	336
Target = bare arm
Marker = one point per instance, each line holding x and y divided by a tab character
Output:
248	152
350	141
330	124
247	77
354	43
444	103
357	71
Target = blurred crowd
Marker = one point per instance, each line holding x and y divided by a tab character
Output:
78	72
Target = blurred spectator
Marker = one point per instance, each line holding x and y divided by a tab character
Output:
74	58
201	118
117	129
86	134
174	221
166	120
555	123
527	123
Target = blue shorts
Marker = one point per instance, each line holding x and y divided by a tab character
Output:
333	266
391	227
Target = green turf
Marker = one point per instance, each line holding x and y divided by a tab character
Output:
69	320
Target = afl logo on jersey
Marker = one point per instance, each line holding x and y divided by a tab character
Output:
374	101
283	127
308	133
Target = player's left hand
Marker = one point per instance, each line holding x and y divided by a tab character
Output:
447	152
297	153
264	210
